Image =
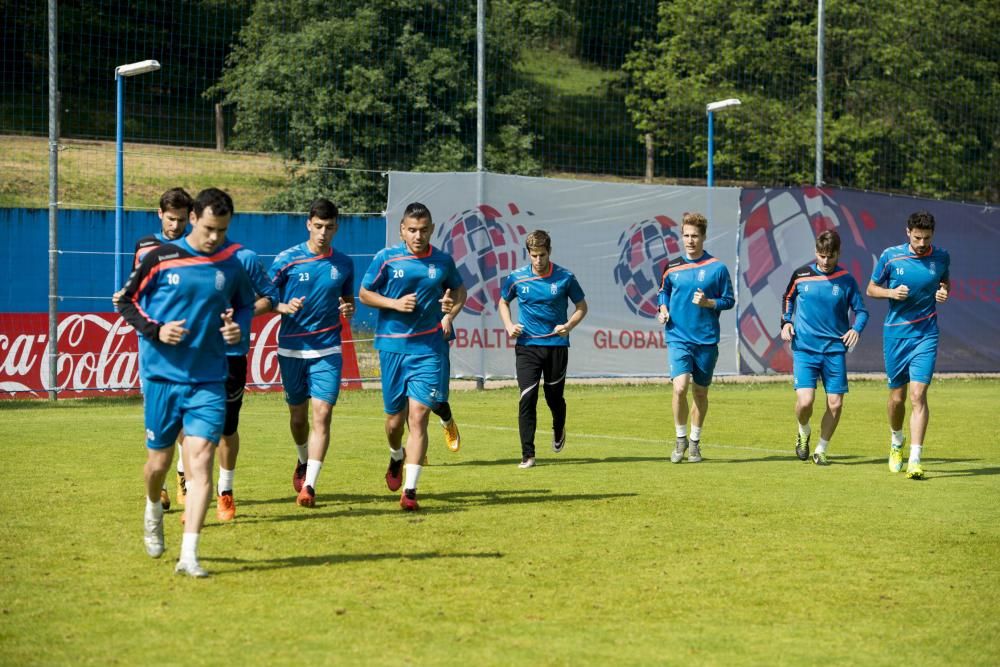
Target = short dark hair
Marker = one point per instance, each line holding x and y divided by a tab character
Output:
214	198
324	209
176	198
920	220
538	239
828	242
417	211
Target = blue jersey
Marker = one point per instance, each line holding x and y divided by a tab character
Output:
817	304
320	280
147	243
262	287
923	274
544	301
688	322
176	282
396	272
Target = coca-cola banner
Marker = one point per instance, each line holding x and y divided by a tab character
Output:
98	355
777	235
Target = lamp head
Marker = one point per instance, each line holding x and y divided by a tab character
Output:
722	104
134	69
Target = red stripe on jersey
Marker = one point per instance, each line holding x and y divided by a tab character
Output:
313	333
304	260
685	267
220	256
919	319
411	335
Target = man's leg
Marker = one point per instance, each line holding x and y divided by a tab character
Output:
828	426
395	423
528	366
896	409
319	443
699	410
416	448
920	415
154	472
679	403
200	455
554	372
452	438
229	443
805	397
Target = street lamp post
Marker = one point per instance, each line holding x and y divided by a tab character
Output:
121	72
711	108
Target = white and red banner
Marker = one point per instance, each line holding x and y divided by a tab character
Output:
615	237
98	352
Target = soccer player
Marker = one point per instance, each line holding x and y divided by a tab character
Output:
319	281
696	287
914	277
188	300
409	283
174	211
544	291
815	320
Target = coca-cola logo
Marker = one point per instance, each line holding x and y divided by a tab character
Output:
99	352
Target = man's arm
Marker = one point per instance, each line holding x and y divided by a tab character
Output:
404	304
896	293
457	298
503	309
574	319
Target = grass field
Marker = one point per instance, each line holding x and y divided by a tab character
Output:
87	173
604	554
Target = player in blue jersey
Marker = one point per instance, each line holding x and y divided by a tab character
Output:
267	299
914	277
408	283
319	281
174	211
188	300
696	287
543	291
815	320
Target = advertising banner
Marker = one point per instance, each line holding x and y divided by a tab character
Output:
98	354
616	238
778	231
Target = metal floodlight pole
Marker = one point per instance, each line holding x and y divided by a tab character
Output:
711	108
53	346
121	73
819	94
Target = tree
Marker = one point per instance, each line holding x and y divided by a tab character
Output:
911	90
351	89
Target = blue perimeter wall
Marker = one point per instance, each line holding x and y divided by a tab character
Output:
86	253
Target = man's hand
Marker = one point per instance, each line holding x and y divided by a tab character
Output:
116	297
663	315
406	304
230	330
699	299
941	295
447	303
851	338
515	330
293	306
561	330
899	293
787	331
446	326
346	309
172	333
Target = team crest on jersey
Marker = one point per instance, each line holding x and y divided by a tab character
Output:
933	267
701	275
220	280
836	290
334	273
553	288
432	272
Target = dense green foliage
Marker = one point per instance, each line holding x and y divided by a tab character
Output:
605	554
915	79
357	87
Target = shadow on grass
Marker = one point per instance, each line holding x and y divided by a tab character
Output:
264	564
352	505
555	459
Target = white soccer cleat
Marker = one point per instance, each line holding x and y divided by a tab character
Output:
191	568
153	536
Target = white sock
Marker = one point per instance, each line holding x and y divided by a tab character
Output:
396	454
412	475
821	447
805	430
312	472
696	433
225	480
180	459
681	429
915	452
189	547
897	438
303	451
154	510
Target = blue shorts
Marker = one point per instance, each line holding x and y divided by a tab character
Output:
909	359
317	378
831	366
698	360
168	406
416	376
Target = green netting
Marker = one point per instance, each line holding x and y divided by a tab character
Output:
327	96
